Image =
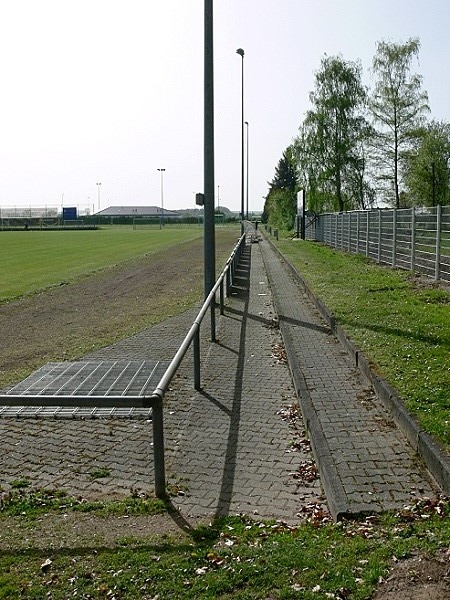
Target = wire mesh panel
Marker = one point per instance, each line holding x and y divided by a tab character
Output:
91	384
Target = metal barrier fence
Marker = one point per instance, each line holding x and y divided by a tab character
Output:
61	397
223	284
412	238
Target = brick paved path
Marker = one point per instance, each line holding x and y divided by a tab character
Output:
231	448
365	462
234	449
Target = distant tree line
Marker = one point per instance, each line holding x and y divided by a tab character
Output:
357	145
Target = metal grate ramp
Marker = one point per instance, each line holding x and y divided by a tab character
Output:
85	390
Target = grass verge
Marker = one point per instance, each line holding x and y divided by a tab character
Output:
234	557
400	320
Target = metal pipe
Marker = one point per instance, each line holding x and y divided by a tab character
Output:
158	447
77	401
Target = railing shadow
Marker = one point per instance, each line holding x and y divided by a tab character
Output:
241	287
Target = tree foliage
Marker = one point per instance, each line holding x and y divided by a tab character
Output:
427	168
397	106
281	201
340	158
329	145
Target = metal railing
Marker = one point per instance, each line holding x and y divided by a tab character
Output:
412	238
155	399
223	284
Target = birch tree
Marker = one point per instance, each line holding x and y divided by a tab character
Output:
398	105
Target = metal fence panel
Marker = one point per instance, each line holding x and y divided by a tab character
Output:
415	238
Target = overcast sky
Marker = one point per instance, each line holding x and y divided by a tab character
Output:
111	90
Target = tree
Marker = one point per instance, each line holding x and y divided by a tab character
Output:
281	200
328	148
427	168
397	106
285	177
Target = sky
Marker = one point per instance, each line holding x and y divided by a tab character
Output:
110	91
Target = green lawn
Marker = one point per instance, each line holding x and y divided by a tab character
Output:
230	558
34	260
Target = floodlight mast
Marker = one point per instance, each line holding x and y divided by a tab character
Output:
162	194
208	149
241	53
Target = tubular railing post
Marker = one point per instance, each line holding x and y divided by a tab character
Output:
158	447
221	297
413	238
212	308
228	276
233	270
197	382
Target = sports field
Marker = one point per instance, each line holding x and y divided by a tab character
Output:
66	293
34	260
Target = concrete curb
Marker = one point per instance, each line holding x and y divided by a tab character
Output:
432	454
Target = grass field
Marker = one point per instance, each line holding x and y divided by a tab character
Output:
34	260
110	285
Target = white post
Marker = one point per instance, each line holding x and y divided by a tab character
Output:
379	235
394	236
367	233
413	238
437	266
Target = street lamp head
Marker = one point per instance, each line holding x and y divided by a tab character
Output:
161	169
246	122
240	51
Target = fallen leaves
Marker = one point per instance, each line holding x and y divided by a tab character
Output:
290	413
316	513
307	472
279	352
46	565
423	508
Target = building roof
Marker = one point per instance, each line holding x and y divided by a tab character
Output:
136	211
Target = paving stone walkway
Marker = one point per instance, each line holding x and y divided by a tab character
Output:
238	445
366	464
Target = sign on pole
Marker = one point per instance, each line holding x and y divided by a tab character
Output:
301	214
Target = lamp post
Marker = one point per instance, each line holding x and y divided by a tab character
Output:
162	194
241	53
98	196
246	207
209	245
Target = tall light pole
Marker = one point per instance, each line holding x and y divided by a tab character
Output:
162	194
240	51
98	195
246	208
209	245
